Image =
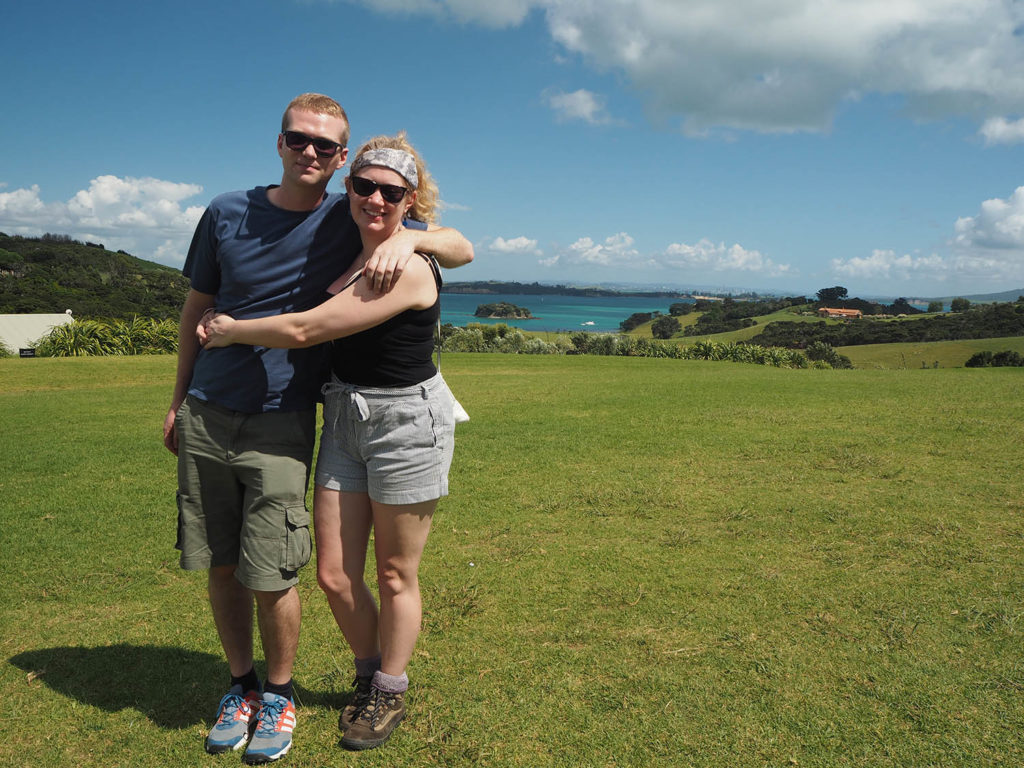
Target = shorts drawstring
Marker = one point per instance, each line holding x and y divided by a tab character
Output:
358	403
355	399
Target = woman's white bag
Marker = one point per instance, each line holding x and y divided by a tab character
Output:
457	410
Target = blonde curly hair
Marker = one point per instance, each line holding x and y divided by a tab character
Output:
425	208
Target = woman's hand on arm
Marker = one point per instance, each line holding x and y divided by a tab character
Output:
387	262
215	330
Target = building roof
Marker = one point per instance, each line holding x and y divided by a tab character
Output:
23	331
841	312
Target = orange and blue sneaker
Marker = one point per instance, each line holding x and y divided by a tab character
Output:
273	736
235	716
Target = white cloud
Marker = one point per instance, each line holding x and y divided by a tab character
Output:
142	216
985	249
718	257
958	271
493	13
616	249
617	255
514	245
886	264
781	65
999	130
579	105
998	226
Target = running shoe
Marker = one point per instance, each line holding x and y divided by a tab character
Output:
235	715
273	736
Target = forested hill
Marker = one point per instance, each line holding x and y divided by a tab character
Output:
54	273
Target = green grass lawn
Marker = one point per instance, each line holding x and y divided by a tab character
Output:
642	562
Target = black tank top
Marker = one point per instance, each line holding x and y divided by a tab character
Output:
396	353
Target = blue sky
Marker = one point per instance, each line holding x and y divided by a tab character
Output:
773	145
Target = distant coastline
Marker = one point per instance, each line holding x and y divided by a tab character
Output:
536	289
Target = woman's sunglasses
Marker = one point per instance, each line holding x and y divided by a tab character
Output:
298	142
392	193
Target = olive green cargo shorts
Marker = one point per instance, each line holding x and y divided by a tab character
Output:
242	482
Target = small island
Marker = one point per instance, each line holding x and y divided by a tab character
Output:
502	309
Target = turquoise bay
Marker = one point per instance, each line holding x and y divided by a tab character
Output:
554	312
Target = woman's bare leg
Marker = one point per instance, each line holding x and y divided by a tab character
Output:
400	534
343	522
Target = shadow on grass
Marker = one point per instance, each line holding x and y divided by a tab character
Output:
173	687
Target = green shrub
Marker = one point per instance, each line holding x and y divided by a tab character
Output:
820	350
1008	358
138	336
503	339
79	338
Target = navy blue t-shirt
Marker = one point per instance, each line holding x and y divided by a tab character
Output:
258	260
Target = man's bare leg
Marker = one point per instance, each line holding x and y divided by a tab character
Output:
231	603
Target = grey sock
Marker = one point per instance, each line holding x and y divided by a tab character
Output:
391	683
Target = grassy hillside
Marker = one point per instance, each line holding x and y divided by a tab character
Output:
642	563
948	354
55	274
686	321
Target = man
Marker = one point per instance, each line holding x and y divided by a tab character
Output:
241	419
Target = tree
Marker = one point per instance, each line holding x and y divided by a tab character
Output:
960	304
981	359
836	293
635	320
935	306
664	327
903	307
1008	358
681	308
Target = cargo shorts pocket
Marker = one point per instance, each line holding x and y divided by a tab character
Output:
298	544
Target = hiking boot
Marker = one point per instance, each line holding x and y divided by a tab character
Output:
273	736
235	717
360	696
374	722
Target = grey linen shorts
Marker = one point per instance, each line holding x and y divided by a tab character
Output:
242	482
395	444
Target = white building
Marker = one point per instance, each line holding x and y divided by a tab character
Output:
20	332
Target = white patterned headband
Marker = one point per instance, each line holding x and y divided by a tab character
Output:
398	160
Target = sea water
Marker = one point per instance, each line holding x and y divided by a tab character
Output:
553	312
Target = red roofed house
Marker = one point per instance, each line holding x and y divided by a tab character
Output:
840	314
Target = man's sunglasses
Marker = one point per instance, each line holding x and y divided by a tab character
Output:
392	193
298	142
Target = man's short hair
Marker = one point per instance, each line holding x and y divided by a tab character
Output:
318	104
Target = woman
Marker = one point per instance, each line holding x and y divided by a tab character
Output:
387	438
